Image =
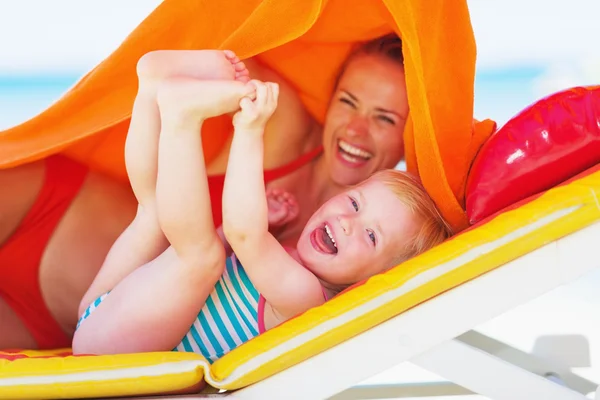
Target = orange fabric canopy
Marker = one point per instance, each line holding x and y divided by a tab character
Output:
303	40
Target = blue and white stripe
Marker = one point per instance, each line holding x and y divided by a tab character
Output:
91	309
229	317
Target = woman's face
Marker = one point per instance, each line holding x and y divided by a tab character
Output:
363	131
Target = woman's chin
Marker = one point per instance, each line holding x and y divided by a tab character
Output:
345	176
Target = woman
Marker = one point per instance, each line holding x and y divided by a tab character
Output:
77	221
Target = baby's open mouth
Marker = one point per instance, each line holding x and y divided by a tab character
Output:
324	240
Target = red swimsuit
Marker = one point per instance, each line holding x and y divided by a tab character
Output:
21	254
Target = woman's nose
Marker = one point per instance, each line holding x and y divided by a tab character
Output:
358	126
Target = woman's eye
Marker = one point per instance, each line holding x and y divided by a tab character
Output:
347	101
387	120
371	236
354	204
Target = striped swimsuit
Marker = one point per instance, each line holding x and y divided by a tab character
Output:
232	315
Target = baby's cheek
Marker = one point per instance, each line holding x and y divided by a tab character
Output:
355	254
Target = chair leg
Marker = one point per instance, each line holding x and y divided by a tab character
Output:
553	370
490	376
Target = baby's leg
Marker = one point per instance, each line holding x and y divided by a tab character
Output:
154	306
151	309
183	199
143	240
141	147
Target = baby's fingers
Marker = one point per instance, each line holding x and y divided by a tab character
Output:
287	196
293	210
292	201
274	92
273	192
261	92
246	104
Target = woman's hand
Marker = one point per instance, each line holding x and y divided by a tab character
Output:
254	114
282	207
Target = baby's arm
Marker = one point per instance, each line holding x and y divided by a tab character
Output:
286	285
282	208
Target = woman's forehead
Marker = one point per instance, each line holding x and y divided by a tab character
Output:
374	78
368	64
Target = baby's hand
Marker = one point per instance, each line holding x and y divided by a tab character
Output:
254	114
282	207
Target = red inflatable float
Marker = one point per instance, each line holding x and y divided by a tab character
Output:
545	144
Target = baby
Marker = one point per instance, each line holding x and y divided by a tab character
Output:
195	297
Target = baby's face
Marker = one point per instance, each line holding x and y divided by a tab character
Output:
356	234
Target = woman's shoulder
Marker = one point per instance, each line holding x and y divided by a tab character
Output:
291	131
285	144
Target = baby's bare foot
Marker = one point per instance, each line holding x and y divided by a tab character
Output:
241	72
158	65
184	100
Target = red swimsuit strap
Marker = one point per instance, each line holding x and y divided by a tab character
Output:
273	174
279	172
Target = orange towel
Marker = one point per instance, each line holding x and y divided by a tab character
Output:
305	41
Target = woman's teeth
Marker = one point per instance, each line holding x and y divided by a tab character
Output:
348	149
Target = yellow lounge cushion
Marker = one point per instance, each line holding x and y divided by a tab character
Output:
517	231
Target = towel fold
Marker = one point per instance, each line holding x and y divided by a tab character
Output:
303	40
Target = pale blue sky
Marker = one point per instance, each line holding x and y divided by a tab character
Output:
78	33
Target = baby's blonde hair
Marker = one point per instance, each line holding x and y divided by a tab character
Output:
432	230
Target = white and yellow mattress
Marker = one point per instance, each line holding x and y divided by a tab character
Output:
533	223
